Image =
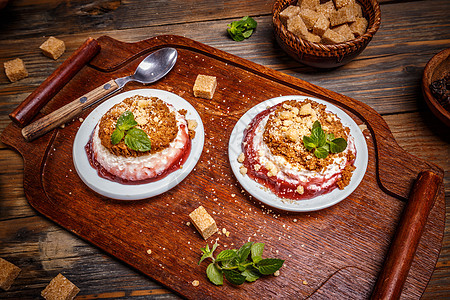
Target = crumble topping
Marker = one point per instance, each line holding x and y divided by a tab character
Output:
153	116
291	121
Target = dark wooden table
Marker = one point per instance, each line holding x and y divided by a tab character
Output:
385	76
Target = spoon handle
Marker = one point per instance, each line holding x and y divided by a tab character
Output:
67	112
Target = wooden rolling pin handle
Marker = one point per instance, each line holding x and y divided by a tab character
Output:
67	112
31	106
404	245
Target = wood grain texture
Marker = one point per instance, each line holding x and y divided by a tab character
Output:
386	76
73	206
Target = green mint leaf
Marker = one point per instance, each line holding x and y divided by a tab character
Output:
126	121
250	22
316	125
246	34
321	152
338	145
236	35
251	274
226	255
310	142
318	134
234	277
241	29
204	256
269	265
257	251
137	140
243	252
215	275
117	136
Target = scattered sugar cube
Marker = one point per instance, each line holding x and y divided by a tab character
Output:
289	12
60	288
343	15
309	17
326	8
311	4
205	86
321	25
53	47
203	221
8	273
342	3
297	26
332	37
359	27
345	31
15	69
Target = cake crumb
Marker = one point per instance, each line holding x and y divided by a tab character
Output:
149	251
195	283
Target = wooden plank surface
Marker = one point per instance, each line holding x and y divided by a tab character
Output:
385	76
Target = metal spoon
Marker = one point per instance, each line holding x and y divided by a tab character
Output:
154	67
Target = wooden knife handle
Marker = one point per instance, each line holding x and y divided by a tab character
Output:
404	245
67	112
31	106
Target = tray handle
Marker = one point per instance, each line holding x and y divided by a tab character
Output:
395	270
23	114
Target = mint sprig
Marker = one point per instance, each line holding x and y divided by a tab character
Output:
135	138
322	143
239	265
242	29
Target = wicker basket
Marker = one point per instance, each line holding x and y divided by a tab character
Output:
322	55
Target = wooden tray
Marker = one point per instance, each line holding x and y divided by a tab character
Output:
334	253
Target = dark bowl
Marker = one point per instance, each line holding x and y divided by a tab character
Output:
323	55
437	68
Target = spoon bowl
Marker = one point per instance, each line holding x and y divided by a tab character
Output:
154	67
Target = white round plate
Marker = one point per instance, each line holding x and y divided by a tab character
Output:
120	191
265	195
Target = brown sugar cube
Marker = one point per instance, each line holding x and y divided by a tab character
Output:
60	288
311	4
321	25
357	9
53	47
8	273
15	69
297	26
345	31
204	223
205	86
343	15
359	27
309	17
341	3
332	37
289	12
326	8
311	37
